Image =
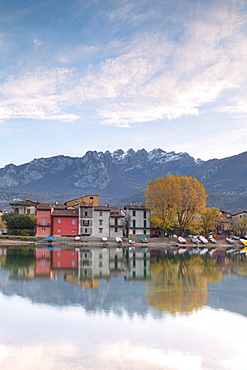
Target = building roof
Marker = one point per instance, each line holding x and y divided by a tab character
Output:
84	204
59	206
239	213
102	208
45	206
24	203
135	207
114	215
65	213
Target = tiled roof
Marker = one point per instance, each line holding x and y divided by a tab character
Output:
44	206
84	204
59	206
135	207
65	213
24	203
102	208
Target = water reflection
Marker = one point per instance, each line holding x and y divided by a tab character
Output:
97	308
119	280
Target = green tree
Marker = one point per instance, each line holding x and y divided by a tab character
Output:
16	221
3	224
175	201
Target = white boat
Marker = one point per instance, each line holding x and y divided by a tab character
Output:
118	240
243	241
202	239
211	240
203	251
230	241
104	239
195	240
77	238
182	250
181	240
131	241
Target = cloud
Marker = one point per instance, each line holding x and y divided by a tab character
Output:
155	75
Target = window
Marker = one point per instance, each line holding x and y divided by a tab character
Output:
100	230
85	214
100	213
43	229
59	230
144	223
85	230
116	229
43	212
43	220
85	223
134	223
43	255
59	221
133	213
58	254
91	197
145	232
58	264
134	231
144	214
73	263
134	263
85	263
100	255
100	264
116	222
101	222
73	231
73	222
28	211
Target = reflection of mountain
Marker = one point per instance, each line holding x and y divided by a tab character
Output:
230	294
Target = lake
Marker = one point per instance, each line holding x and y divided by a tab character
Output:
100	308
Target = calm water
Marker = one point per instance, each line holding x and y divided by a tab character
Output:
116	309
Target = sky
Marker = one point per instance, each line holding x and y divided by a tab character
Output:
79	75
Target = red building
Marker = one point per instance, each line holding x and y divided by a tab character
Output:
65	259
43	267
65	222
43	226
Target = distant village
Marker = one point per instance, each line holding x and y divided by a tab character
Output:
85	217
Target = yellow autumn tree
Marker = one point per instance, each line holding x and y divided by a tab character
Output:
209	218
175	201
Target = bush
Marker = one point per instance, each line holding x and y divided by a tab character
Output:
25	232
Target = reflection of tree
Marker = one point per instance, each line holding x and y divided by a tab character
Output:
239	265
181	285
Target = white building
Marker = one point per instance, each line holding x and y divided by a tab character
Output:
137	222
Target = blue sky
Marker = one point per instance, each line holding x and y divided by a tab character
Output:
79	75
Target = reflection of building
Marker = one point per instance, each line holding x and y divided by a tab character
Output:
43	266
137	221
24	207
117	263
138	263
94	263
65	259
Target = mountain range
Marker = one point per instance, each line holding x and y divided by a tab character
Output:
120	176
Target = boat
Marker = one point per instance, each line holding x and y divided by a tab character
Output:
104	239
131	248
195	240
143	239
182	250
211	239
118	240
230	241
50	239
181	240
131	241
243	241
77	238
202	239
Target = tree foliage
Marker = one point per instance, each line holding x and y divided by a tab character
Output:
175	201
17	221
181	285
239	225
3	224
209	218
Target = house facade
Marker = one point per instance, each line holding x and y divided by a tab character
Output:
43	219
25	207
137	222
65	222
